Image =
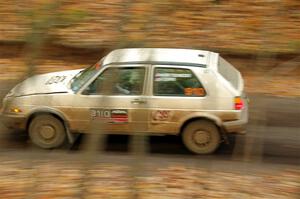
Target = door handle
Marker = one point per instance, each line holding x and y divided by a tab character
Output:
138	101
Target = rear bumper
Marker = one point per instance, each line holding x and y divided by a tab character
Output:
237	126
13	121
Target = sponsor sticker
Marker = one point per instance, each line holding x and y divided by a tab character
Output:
165	79
182	75
110	115
161	115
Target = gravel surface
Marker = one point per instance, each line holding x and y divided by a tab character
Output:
47	179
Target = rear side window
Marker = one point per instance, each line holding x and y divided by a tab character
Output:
228	72
176	82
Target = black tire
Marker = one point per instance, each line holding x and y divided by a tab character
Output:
47	132
201	137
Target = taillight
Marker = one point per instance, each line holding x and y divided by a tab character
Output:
238	103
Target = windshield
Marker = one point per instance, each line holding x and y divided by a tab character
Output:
83	76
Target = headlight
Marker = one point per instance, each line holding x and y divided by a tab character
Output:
15	110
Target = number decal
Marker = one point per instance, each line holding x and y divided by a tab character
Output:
110	115
55	80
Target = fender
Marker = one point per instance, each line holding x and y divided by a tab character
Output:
56	112
205	115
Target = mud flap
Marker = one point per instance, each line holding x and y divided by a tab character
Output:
224	136
70	136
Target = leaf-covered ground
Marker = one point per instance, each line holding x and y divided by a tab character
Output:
57	179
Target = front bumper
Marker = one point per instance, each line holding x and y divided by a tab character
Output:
13	121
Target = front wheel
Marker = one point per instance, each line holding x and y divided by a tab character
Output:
201	137
47	132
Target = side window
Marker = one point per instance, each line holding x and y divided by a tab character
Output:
176	82
118	81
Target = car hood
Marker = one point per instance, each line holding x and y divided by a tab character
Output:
48	83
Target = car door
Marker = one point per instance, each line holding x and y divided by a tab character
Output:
114	102
176	93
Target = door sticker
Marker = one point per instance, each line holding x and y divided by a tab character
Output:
170	77
161	115
110	115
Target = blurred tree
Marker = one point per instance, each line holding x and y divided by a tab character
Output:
42	18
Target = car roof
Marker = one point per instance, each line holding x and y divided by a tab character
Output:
169	56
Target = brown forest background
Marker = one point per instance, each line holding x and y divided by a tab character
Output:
256	36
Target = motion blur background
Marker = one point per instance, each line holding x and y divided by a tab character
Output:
73	34
260	37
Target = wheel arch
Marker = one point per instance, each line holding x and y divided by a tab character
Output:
53	112
211	118
186	122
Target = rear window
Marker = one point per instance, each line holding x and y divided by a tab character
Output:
228	72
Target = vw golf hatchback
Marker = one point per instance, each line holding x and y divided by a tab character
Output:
195	94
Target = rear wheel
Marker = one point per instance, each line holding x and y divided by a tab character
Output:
47	132
201	137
